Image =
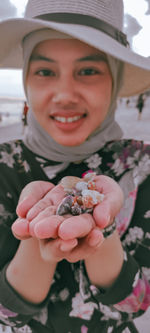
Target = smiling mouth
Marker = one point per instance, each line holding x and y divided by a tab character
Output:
67	120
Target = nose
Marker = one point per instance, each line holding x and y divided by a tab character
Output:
65	93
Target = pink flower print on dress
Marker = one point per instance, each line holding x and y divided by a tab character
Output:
6	313
146	302
84	329
135	301
82	310
124	217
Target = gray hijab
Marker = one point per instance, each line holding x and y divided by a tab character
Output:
40	142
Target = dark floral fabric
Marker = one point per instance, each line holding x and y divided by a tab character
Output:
73	305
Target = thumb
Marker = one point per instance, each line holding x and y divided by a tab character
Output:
105	212
20	229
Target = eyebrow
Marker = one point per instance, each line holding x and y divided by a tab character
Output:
94	57
98	57
40	57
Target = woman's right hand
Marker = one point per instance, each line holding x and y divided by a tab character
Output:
33	199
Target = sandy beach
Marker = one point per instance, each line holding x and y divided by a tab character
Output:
127	117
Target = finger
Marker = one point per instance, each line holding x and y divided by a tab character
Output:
57	194
47	228
39	208
82	251
31	194
102	214
46	213
20	229
69	245
53	197
76	227
43	216
51	249
111	190
105	212
95	238
71	250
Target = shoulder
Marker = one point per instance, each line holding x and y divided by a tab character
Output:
10	146
13	157
125	152
131	156
122	156
128	147
9	151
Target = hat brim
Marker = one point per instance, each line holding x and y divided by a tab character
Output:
137	68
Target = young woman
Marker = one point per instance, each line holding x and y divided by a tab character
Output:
63	271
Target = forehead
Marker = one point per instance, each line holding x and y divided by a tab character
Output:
72	47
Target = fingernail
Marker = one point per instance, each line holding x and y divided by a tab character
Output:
96	242
68	247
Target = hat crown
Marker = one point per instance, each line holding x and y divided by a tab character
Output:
110	11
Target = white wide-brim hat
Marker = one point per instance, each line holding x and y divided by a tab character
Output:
98	23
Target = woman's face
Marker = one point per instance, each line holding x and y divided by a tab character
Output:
69	89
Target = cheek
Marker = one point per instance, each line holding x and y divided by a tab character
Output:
101	104
102	97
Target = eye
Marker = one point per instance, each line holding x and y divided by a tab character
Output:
45	72
88	71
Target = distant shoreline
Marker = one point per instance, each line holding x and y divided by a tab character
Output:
10	108
11	99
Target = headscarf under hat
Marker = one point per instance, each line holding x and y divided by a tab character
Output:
40	142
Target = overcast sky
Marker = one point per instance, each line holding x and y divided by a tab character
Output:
137	26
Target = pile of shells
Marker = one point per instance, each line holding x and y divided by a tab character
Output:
81	195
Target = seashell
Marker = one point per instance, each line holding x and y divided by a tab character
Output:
69	182
82	196
89	176
91	185
81	185
65	205
76	209
62	210
79	200
88	202
91	198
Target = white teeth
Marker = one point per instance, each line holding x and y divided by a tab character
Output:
61	119
67	120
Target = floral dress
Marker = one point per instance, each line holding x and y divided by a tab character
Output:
73	305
